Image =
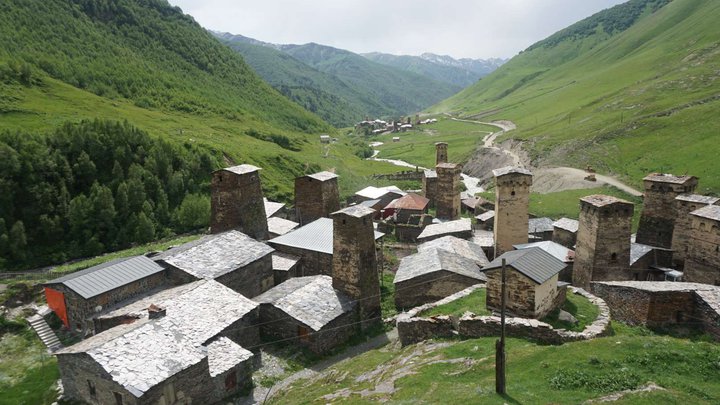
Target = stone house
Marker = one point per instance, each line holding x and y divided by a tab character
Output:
285	266
429	186
180	355
531	282
702	263
236	201
384	194
512	199
559	251
565	232
486	220
231	258
462	247
316	196
657	219
447	199
280	226
77	297
307	311
461	228
540	229
405	206
431	275
684	205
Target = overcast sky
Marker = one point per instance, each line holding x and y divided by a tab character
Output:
459	28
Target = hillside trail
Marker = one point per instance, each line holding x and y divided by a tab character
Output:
550	179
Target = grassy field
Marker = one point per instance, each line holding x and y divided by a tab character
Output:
418	145
474	302
27	371
463	372
579	307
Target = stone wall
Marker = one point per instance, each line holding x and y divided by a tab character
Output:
682	230
236	202
429	185
520	292
404	175
512	199
564	237
702	264
657	220
441	152
430	288
413	329
251	280
707	310
315	198
311	263
447	200
408	233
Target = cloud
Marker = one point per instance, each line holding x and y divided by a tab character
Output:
460	28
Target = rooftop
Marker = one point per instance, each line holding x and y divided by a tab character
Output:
372	192
662	285
214	255
446	166
409	201
535	263
316	236
558	251
433	260
430	174
271	207
511	170
637	251
323	176
449	227
369	203
486	216
241	169
357	211
709	212
601	200
462	247
540	225
283	261
280	226
483	238
224	354
108	276
567	224
311	300
668	178
696	198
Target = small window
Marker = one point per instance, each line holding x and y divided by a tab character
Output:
613	257
303	333
91	388
231	381
637	276
512	193
364	221
118	398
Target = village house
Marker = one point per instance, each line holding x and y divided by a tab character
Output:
316	196
512	199
182	354
433	274
531	282
462	247
657	219
461	228
384	194
77	297
558	251
231	258
565	232
702	263
236	201
285	266
684	205
402	208
486	220
540	229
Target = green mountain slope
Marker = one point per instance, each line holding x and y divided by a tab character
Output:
631	90
442	72
319	92
399	91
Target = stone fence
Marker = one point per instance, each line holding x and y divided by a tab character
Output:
413	329
405	175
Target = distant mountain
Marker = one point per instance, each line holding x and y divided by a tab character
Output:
443	68
338	85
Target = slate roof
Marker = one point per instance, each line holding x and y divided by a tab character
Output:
567	224
317	236
637	251
601	200
108	276
486	216
284	261
662	285
462	247
357	211
372	192
483	238
409	201
668	178
511	170
241	169
429	174
214	255
447	165
536	225
311	300
323	176
709	212
535	263
435	260
696	198
145	353
280	226
224	354
559	251
271	207
460	225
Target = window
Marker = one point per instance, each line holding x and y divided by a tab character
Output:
512	193
304	334
613	257
118	398
91	388
231	381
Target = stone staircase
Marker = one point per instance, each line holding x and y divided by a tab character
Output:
46	334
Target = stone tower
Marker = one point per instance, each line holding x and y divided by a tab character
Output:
702	263
354	264
236	201
447	197
441	152
429	184
658	215
684	205
603	240
316	195
512	199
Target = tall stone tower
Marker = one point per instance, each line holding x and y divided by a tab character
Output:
658	215
354	263
512	200
602	251
236	201
441	152
684	205
447	197
316	195
429	184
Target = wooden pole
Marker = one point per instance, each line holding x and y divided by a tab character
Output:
500	344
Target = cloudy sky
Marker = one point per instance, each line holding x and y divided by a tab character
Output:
460	28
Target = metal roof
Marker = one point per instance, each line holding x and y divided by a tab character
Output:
567	224
108	276
559	251
540	225
369	203
409	201
316	236
535	263
433	260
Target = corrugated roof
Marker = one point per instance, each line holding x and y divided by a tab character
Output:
511	170
108	276
567	224
540	225
709	212
409	201
535	263
434	260
462	247
559	251
316	236
280	226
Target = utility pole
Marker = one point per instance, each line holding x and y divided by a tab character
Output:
500	344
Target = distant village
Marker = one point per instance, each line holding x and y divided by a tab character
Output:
186	325
378	126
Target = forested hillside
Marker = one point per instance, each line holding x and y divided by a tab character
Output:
631	90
